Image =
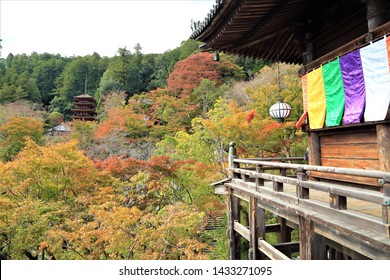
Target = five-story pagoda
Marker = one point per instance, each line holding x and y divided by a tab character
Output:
84	108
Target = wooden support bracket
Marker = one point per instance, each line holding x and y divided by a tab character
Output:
259	181
302	192
338	201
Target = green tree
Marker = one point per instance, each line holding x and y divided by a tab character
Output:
107	85
206	94
46	70
81	75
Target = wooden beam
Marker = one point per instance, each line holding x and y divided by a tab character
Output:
339	189
364	248
328	169
345	250
272	228
242	230
287	248
289	202
270	251
351	46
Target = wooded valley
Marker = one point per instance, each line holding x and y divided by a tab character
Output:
135	183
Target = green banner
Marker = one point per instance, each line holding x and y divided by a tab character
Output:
334	92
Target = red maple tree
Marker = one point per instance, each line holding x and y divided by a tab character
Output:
188	73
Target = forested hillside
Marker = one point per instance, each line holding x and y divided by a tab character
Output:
135	184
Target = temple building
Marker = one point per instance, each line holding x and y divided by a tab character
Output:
84	108
338	203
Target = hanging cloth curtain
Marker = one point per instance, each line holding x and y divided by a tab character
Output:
334	92
355	91
316	99
388	50
377	79
304	92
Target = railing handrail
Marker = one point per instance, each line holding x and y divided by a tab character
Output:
327	169
277	158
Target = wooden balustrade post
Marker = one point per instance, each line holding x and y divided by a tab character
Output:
259	181
278	186
233	215
302	192
338	201
385	208
232	157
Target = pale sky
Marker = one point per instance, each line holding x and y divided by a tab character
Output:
75	27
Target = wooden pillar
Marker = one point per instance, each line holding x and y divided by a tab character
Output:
233	215
285	231
306	239
261	231
320	248
383	138
255	224
314	149
284	234
376	13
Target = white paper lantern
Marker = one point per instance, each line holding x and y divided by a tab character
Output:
280	111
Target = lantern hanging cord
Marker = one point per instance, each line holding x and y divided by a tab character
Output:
1	40
278	75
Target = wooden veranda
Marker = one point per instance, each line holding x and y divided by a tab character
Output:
338	203
333	220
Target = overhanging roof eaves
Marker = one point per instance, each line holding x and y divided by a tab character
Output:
262	29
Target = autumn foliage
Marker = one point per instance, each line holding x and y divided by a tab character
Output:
60	204
136	184
188	73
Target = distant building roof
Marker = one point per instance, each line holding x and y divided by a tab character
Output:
61	128
85	95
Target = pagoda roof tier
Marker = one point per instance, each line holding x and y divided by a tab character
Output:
85	95
83	117
83	110
84	103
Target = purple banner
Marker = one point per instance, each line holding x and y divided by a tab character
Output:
354	87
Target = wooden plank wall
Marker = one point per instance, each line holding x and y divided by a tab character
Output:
352	148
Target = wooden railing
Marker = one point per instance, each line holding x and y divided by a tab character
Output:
248	182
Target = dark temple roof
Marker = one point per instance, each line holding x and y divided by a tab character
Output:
281	29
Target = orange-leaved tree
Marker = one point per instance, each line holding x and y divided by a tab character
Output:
43	187
189	72
13	135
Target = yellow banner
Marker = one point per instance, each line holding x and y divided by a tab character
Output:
316	99
304	92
